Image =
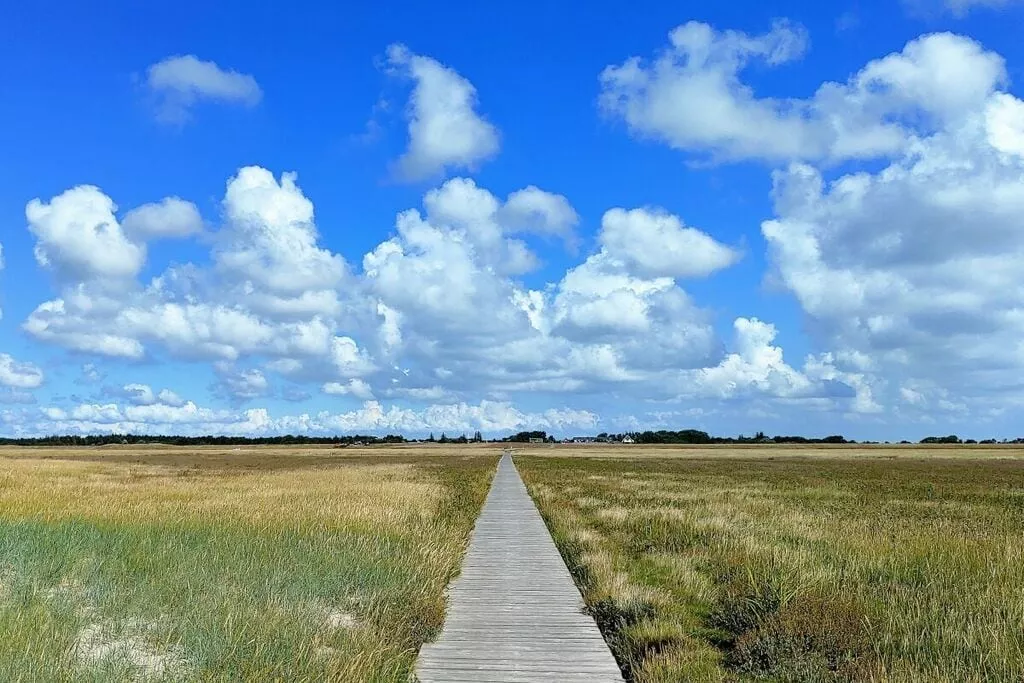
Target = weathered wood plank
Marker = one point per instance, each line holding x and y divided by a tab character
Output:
514	613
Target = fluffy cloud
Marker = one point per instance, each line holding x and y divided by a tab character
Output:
535	211
656	244
917	265
437	314
692	96
180	82
19	375
445	131
354	387
757	368
79	238
240	385
171	217
372	416
143	395
269	247
271	291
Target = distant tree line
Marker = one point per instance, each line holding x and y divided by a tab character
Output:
695	436
477	437
685	436
138	439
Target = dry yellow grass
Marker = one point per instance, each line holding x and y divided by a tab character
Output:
806	564
228	564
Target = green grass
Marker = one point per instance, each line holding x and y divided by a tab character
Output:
309	570
796	569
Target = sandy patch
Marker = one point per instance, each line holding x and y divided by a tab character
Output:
97	644
335	619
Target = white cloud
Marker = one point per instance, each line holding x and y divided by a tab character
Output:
143	395
140	394
269	246
436	314
240	385
170	217
189	419
19	375
271	291
535	211
181	81
349	359
445	131
916	265
692	96
168	397
657	244
356	388
79	238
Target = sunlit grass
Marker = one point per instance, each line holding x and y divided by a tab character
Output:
282	566
796	569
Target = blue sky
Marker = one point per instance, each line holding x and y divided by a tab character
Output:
795	218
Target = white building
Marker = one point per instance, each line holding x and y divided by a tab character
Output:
628	439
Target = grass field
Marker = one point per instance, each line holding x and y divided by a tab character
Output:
227	564
795	564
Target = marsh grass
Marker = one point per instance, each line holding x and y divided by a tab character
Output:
304	567
829	568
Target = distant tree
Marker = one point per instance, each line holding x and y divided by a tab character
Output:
524	437
952	438
431	439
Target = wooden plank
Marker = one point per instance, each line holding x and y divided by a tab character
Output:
514	613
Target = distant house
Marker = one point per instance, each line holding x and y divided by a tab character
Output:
628	439
536	439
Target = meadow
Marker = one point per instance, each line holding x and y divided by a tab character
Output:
297	564
794	564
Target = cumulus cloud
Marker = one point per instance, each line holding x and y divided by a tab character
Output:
916	265
78	237
240	385
19	375
171	217
269	246
356	388
533	210
445	130
372	416
692	96
436	314
181	81
144	395
140	394
757	368
657	244
271	290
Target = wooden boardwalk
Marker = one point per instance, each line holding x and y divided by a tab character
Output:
514	614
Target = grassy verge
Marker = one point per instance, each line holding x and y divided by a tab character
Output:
796	569
298	567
